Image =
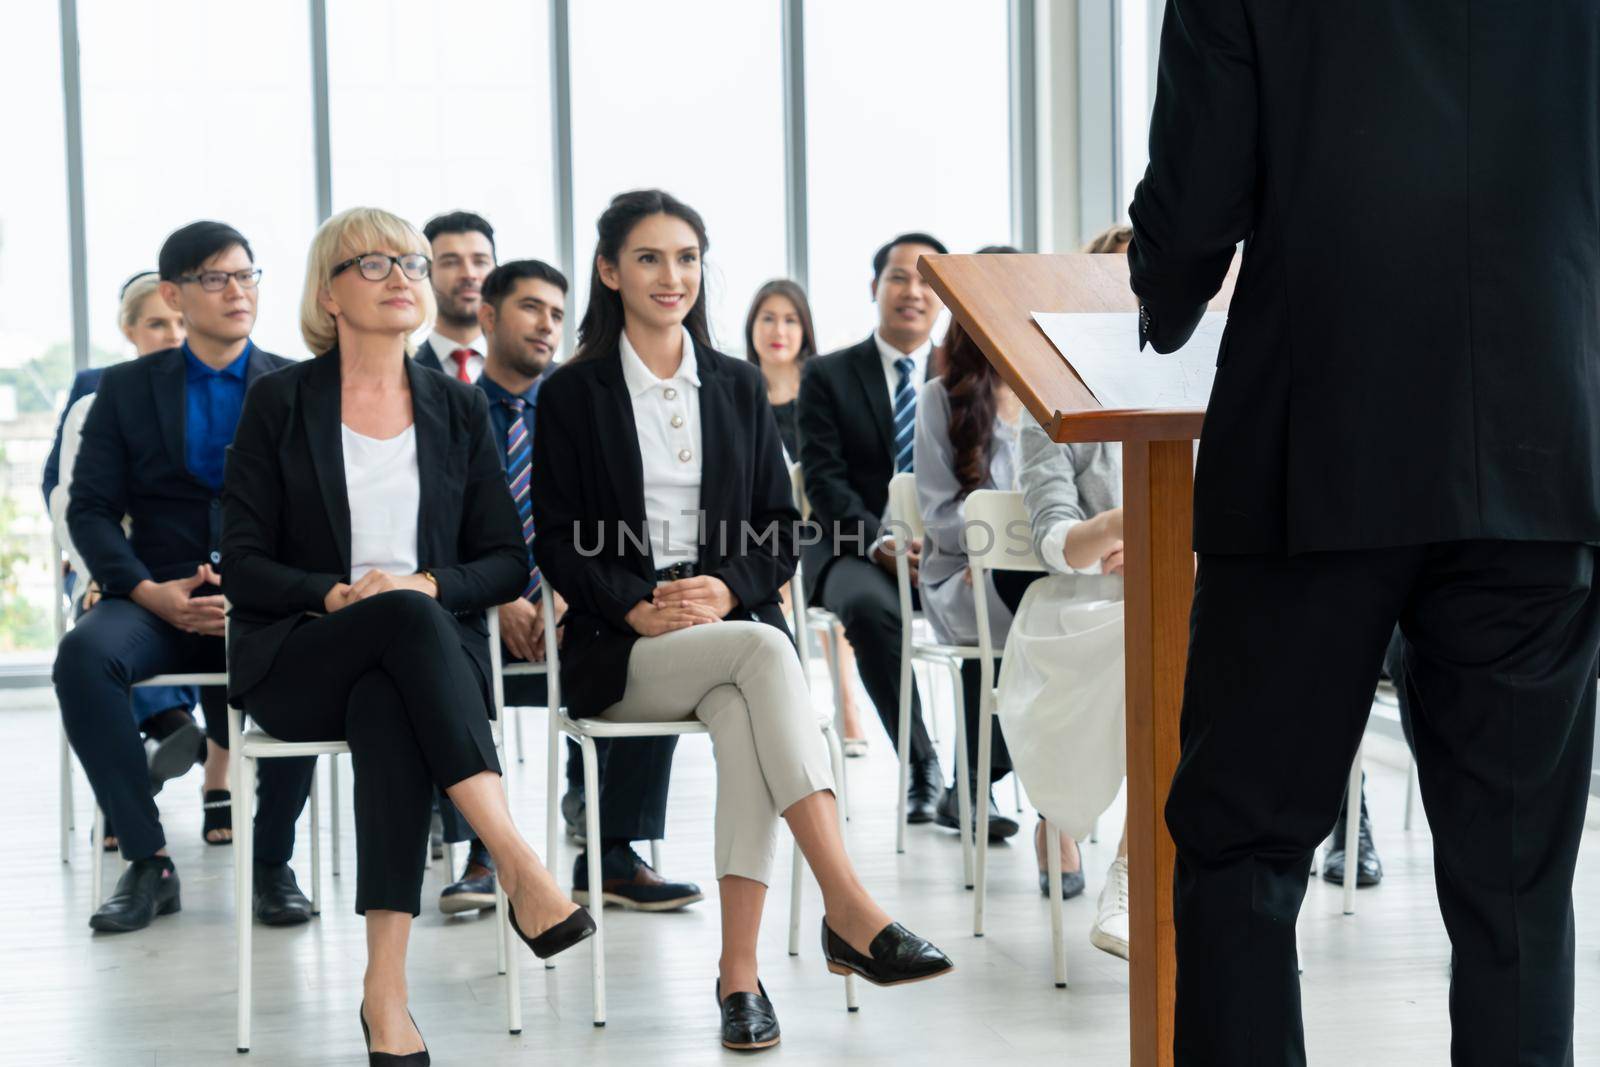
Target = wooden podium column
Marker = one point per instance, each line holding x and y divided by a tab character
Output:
1157	499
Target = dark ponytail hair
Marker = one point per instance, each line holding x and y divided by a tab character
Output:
601	329
969	382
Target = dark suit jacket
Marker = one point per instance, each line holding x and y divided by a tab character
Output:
588	484
84	383
131	462
1413	347
425	356
846	452
286	529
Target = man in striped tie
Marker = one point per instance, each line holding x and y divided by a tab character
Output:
522	312
857	417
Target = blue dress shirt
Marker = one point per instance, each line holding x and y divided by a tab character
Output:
213	400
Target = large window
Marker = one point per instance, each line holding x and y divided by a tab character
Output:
35	317
194	110
906	129
438	107
1136	28
689	98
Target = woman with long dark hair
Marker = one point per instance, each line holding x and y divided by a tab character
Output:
665	519
779	338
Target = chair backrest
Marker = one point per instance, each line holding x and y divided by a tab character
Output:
904	507
999	536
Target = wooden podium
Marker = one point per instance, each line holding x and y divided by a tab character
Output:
994	297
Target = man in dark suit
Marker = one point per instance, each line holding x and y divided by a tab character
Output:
857	416
463	256
523	312
1470	350
152	450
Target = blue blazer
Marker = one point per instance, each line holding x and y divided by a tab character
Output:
131	463
85	383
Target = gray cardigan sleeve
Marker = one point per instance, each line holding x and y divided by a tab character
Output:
1049	483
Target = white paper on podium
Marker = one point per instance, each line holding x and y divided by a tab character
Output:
1104	350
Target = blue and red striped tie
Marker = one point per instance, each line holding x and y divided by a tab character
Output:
519	471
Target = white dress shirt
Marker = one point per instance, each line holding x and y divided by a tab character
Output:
888	353
383	488
666	414
444	346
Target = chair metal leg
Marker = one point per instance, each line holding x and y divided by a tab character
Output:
985	747
1411	792
97	859
1094	832
836	753
552	801
1052	844
66	798
655	853
508	960
1352	830
964	777
243	848
1016	792
797	869
333	811
903	750
591	812
316	848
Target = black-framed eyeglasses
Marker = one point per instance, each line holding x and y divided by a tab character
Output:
214	281
376	266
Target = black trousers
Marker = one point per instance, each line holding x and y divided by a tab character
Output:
999	755
634	775
864	597
1501	641
110	648
389	676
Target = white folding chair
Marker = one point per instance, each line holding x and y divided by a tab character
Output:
989	514
245	747
906	513
59	622
586	732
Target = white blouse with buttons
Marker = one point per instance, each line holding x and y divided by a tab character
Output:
666	414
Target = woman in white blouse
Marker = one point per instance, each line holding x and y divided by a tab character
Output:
666	520
367	527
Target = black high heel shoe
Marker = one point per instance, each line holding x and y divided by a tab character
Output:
896	957
579	926
391	1059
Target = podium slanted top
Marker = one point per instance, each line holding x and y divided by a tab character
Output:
994	298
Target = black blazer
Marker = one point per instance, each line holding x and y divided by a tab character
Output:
131	462
1413	347
425	356
846	452
286	512
588	484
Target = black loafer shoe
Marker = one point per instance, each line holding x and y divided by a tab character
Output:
474	890
629	882
1071	883
579	926
949	816
171	756
922	794
748	1021
278	900
896	957
149	887
572	816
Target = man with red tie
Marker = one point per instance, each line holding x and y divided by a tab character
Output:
463	256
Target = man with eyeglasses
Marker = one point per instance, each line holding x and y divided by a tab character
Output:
153	450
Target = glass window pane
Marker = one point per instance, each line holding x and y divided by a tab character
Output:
1133	95
433	111
35	320
689	99
906	129
192	110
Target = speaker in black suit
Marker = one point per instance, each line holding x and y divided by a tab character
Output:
1405	426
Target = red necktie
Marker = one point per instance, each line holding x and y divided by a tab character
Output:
461	355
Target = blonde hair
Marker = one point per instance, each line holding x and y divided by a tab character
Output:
1110	239
133	299
350	233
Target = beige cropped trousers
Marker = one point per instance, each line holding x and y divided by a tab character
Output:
743	680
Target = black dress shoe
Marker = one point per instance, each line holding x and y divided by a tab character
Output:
392	1059
149	887
1071	883
949	815
579	926
174	738
278	900
895	957
1369	869
922	794
748	1021
572	816
629	882
474	890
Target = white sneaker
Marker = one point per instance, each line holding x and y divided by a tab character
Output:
1110	930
